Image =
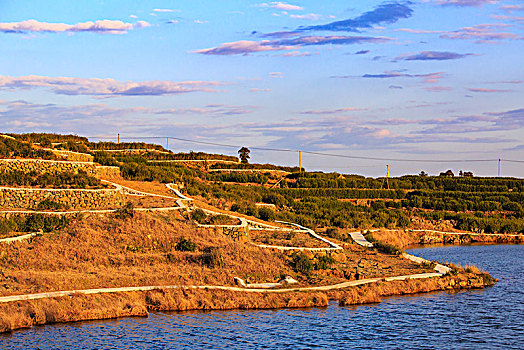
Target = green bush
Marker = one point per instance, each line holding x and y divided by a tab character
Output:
324	262
186	245
301	262
199	216
266	214
49	204
213	257
127	211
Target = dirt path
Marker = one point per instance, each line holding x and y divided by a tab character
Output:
343	285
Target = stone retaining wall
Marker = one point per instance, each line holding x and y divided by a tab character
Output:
72	156
55	167
26	198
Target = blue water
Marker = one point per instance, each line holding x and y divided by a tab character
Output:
492	318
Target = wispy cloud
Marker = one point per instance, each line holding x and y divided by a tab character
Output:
482	33
484	90
464	3
333	111
512	8
211	110
164	10
244	47
426	78
382	14
278	5
438	88
102	27
104	87
432	56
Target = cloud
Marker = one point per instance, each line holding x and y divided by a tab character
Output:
104	87
102	27
296	54
330	40
163	10
426	78
433	56
259	90
396	87
242	47
333	111
465	3
488	90
362	52
512	8
308	16
438	88
276	75
509	18
481	33
383	14
211	110
281	6
245	47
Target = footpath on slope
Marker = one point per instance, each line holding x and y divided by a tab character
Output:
361	240
343	285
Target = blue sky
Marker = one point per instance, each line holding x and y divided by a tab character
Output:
425	80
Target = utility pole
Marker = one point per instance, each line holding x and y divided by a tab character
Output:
499	166
300	160
118	138
387	175
167	143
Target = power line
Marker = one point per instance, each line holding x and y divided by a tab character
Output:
407	160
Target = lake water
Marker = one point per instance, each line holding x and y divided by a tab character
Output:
492	318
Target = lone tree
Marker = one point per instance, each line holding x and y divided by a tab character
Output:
243	153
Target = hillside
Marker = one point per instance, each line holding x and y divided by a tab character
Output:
76	216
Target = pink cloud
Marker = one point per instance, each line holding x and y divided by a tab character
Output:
481	33
488	90
465	3
104	87
241	48
102	26
281	6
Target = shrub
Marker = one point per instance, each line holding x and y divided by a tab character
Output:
186	245
324	262
104	158
301	262
45	223
127	211
198	215
49	204
266	214
213	257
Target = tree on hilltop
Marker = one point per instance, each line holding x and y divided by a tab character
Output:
243	153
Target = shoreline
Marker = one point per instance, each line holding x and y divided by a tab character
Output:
84	307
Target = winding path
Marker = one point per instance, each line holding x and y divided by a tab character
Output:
342	285
361	240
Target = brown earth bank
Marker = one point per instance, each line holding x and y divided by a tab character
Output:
81	307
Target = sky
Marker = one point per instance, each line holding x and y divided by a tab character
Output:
417	84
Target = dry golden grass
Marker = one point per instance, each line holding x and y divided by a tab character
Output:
286	239
372	293
398	238
102	251
82	307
